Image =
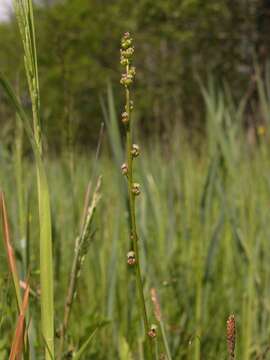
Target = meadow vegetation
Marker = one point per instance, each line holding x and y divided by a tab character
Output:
86	274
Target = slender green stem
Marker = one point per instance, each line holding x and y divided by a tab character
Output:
133	226
164	339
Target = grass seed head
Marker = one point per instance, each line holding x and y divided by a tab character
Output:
231	336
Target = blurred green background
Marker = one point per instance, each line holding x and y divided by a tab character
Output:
177	42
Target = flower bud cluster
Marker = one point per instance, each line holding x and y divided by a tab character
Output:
126	53
126	41
128	77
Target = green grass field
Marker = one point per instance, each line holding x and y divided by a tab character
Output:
203	235
203	227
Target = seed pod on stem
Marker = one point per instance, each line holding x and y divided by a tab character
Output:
131	258
124	169
152	333
135	151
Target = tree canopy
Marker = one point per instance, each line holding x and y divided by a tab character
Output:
177	43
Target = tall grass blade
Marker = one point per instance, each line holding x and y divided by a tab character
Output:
111	122
25	18
10	252
46	261
213	246
124	350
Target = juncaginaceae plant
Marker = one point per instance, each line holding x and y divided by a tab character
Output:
132	152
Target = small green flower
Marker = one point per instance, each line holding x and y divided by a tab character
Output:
124	61
126	79
126	41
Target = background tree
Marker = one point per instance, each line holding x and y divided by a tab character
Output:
177	42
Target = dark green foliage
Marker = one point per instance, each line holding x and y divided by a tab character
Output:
78	50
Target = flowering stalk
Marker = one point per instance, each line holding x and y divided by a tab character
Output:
132	151
231	335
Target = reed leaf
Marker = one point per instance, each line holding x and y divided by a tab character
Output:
46	261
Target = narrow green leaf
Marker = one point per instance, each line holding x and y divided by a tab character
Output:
85	345
46	261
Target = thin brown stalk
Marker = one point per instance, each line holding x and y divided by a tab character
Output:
231	337
89	185
81	248
18	339
10	251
